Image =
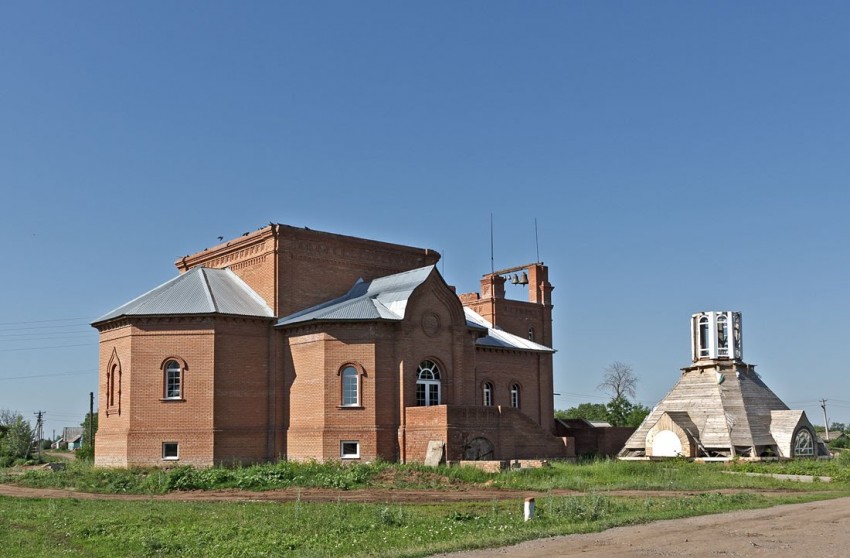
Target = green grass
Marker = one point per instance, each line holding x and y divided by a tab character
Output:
34	527
661	475
600	475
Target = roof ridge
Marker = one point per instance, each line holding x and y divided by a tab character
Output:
208	291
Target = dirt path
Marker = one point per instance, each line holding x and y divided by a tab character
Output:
818	530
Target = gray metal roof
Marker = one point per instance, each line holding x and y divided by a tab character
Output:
384	298
500	339
198	291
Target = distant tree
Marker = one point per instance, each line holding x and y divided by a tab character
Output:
17	437
619	410
837	426
637	414
619	381
86	452
587	411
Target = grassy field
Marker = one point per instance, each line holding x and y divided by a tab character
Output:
35	527
598	475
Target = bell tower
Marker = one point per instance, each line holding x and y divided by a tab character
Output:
716	336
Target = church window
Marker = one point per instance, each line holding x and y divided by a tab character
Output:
515	396
428	384
113	385
350	387
531	333
488	394
804	445
173	380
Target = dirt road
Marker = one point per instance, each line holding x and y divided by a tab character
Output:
814	530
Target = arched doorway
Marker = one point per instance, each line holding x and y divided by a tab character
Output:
479	449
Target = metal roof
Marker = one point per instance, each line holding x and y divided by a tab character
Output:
384	298
500	339
198	291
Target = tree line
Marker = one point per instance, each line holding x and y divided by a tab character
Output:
18	444
619	381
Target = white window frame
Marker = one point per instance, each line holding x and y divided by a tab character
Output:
516	400
346	376
176	455
804	443
349	455
172	371
427	377
487	392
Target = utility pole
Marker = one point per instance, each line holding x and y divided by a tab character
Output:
825	420
39	431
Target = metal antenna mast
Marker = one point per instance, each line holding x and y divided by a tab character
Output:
492	267
536	240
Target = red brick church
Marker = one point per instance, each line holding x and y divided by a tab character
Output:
289	343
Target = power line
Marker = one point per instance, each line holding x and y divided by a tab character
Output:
83	318
45	327
40	348
77	373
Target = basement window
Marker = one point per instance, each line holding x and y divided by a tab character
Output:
170	451
349	449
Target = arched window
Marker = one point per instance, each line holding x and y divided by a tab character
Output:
703	336
428	384
173	380
350	387
804	445
515	396
112	375
487	391
722	336
531	333
113	385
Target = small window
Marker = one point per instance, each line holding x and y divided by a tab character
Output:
173	379
350	387
515	396
349	449
170	451
531	333
488	394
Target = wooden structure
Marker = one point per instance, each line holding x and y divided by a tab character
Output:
720	408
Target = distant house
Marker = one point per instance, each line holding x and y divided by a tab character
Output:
833	435
75	443
72	438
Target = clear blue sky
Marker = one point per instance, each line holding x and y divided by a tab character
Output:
678	156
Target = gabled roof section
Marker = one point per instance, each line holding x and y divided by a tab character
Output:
198	291
384	298
500	339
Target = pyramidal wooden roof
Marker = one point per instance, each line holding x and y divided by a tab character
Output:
722	405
